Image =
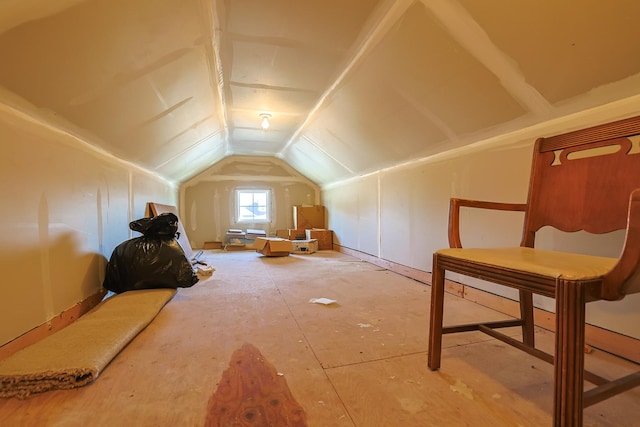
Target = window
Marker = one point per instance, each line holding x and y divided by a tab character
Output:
253	205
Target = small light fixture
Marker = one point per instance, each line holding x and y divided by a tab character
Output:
264	124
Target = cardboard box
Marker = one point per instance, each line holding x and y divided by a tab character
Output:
282	233
235	247
272	246
324	237
297	234
308	217
212	245
304	246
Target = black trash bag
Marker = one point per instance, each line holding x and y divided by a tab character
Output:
154	260
148	263
165	224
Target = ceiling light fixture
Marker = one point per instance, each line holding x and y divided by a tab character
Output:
264	124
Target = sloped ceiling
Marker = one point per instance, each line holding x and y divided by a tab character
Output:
351	86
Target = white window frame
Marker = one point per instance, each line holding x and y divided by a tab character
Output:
241	216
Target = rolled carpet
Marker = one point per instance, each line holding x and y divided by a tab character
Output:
75	355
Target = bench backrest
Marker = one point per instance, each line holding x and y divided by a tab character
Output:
582	180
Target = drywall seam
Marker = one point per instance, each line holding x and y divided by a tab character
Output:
394	10
319	148
131	202
466	31
45	259
247	178
214	61
379	214
36	121
429	114
190	147
219	234
617	110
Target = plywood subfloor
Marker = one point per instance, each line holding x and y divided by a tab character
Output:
358	362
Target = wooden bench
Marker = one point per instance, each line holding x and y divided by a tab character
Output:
584	180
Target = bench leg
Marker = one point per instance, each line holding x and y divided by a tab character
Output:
437	307
569	355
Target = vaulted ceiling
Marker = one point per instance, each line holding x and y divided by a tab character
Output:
352	86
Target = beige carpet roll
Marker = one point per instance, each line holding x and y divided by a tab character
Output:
75	355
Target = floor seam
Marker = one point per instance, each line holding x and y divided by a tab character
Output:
308	344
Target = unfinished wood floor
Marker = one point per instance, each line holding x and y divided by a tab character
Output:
359	362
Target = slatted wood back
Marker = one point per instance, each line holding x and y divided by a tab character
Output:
582	180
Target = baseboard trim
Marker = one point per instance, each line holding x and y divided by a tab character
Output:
53	325
603	339
412	273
